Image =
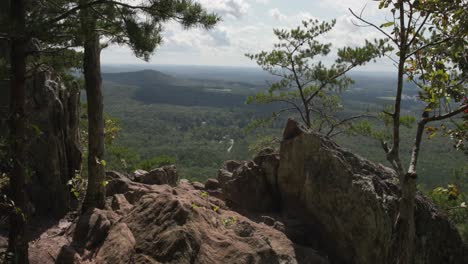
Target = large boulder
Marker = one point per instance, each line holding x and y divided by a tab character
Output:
159	176
352	203
92	228
118	247
246	187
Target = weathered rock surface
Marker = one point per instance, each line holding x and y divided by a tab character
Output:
176	225
351	204
246	186
334	201
163	175
53	140
212	184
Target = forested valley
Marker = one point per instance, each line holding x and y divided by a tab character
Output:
159	114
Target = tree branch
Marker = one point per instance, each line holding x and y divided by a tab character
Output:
427	46
447	115
72	11
346	120
323	85
373	25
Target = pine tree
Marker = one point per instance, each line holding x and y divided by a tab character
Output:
306	86
122	24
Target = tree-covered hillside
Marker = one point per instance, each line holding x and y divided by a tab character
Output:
196	120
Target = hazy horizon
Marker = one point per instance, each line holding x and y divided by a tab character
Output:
247	27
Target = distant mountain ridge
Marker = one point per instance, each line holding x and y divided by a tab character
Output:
157	87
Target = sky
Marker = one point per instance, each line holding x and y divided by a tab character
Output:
247	27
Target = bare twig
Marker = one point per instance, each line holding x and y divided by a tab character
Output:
373	25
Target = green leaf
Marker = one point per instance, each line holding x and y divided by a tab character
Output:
432	135
388	24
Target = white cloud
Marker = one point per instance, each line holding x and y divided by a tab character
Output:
276	14
370	7
290	21
232	8
345	33
345	4
248	28
178	40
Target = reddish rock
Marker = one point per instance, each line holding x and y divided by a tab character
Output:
118	247
198	185
212	184
120	204
163	175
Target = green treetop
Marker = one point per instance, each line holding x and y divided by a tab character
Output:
307	86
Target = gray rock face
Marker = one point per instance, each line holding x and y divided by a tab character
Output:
53	140
52	111
352	204
335	201
246	187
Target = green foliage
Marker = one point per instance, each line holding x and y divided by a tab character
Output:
197	136
111	129
455	203
263	142
156	162
306	86
229	221
431	39
120	22
61	61
78	186
122	159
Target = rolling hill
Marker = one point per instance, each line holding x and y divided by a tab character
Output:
195	120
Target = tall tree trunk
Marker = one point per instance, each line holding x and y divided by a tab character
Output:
92	74
18	244
404	224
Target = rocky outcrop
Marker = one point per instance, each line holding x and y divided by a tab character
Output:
53	146
163	175
246	186
352	204
175	225
53	139
335	207
336	201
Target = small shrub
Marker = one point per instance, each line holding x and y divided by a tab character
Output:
454	203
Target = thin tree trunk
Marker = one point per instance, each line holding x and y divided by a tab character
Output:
18	245
404	224
92	73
